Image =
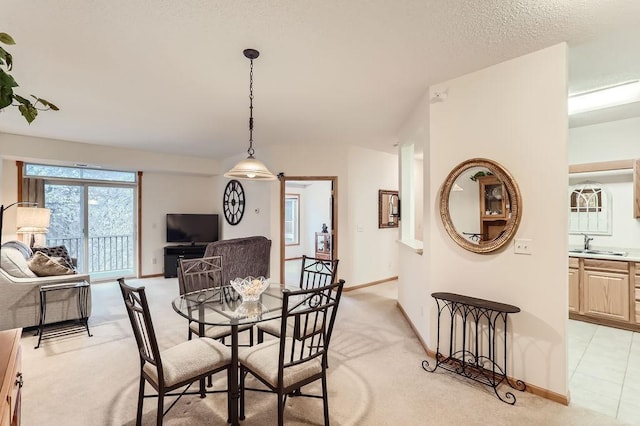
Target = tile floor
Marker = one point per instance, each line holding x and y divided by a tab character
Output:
604	370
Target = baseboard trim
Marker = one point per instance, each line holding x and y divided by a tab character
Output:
292	258
359	286
152	276
536	390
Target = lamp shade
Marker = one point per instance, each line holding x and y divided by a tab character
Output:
250	168
33	220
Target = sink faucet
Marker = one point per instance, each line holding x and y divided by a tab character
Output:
587	239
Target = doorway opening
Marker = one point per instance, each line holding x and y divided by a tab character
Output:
308	222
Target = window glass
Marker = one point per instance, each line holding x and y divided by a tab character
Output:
41	170
291	219
589	209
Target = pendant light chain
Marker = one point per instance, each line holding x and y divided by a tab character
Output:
250	151
250	168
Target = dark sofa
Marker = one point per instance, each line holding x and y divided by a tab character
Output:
242	257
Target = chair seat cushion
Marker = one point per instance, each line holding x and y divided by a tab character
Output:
215	331
272	327
263	360
190	359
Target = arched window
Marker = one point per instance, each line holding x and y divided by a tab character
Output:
589	209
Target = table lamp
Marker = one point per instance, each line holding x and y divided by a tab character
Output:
33	220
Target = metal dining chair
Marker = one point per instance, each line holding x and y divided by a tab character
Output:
287	364
173	368
206	273
314	273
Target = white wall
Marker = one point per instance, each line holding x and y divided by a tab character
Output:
374	254
54	151
164	193
297	250
316	210
498	113
614	140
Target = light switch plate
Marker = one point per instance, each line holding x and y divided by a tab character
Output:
523	246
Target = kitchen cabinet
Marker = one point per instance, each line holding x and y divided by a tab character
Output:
604	292
636	293
574	284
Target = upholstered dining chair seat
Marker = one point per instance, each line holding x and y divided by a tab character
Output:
273	327
216	331
263	360
189	359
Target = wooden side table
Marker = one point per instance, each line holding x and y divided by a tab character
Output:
83	298
10	377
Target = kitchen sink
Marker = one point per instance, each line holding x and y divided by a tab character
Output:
601	252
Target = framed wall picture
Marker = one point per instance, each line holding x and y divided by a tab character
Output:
388	209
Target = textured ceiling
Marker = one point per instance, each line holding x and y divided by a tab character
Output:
170	76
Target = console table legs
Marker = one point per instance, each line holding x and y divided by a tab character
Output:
476	357
83	304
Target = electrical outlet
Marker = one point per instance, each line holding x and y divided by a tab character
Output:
154	260
523	246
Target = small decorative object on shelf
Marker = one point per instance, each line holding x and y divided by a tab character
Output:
250	288
324	228
323	246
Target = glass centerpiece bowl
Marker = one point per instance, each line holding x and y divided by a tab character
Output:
250	288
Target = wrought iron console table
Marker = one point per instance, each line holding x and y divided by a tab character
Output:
477	355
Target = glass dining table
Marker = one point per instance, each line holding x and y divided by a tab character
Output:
222	306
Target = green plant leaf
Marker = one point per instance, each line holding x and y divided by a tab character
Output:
6	57
6	96
47	104
6	39
7	80
22	100
29	112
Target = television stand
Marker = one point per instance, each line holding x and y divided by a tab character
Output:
173	253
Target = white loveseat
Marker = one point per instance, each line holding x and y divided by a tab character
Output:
20	296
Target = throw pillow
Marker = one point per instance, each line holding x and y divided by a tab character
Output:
44	266
14	263
56	251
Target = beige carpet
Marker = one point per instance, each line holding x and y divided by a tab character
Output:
375	375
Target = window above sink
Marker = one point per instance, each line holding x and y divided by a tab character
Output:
590	209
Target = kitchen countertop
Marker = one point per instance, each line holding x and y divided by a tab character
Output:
633	255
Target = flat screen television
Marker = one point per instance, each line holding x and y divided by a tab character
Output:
192	228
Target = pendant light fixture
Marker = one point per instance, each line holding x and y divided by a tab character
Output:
250	168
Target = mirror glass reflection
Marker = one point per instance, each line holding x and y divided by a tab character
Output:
478	202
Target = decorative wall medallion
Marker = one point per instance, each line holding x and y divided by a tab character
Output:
233	202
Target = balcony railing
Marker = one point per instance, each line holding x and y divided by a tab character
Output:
106	254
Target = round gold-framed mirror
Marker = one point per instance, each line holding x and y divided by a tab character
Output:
480	205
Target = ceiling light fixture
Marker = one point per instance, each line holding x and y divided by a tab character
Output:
250	168
619	94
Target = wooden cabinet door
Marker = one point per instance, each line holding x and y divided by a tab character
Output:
606	295
637	293
574	290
